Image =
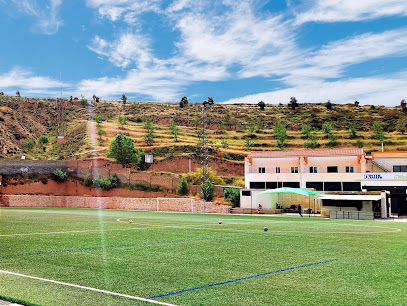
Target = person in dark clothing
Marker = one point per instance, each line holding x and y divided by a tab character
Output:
300	209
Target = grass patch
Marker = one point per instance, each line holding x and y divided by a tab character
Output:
159	253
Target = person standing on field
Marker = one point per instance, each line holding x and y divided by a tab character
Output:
300	209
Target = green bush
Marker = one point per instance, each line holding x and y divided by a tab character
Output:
207	191
106	183
88	180
233	196
59	176
183	186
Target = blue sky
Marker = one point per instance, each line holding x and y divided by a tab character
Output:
236	51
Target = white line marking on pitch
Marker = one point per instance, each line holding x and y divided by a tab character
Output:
87	288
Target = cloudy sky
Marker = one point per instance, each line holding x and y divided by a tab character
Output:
236	51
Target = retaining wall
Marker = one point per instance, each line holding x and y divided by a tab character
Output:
164	204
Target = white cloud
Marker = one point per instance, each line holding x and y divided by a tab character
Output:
26	82
331	60
128	9
226	40
128	48
380	90
147	84
48	20
351	10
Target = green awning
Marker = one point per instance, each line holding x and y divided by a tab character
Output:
289	190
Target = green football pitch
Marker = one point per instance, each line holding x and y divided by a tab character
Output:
98	257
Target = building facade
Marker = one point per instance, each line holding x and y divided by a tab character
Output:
340	172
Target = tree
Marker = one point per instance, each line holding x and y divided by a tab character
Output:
262	105
327	128
224	143
122	121
210	101
403	103
207	191
149	136
233	196
98	118
124	99
183	102
356	103
378	128
101	133
352	132
123	151
249	143
183	186
332	140
197	122
18	93
280	133
359	143
293	103
174	129
306	130
328	105
312	141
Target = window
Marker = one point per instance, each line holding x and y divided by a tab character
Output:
246	193
352	186
332	169
291	184
350	169
262	170
271	185
278	170
316	185
399	168
294	169
313	170
257	185
332	186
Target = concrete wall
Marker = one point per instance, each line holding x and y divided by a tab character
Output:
164	204
13	166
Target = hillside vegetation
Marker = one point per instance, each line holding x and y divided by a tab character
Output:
234	130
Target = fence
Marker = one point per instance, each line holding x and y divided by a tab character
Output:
351	214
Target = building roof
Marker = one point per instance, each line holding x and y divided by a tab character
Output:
310	153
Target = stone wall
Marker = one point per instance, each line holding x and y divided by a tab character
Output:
152	204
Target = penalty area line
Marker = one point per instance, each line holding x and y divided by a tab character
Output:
87	288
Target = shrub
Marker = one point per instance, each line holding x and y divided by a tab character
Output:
233	196
59	176
207	191
195	178
88	180
98	118
106	183
183	187
43	140
359	143
83	102
44	180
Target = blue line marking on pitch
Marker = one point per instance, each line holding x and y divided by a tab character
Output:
126	245
241	279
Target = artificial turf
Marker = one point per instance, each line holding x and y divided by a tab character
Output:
190	259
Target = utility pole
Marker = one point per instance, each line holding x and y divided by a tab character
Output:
204	149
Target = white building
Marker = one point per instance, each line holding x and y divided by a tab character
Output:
346	178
